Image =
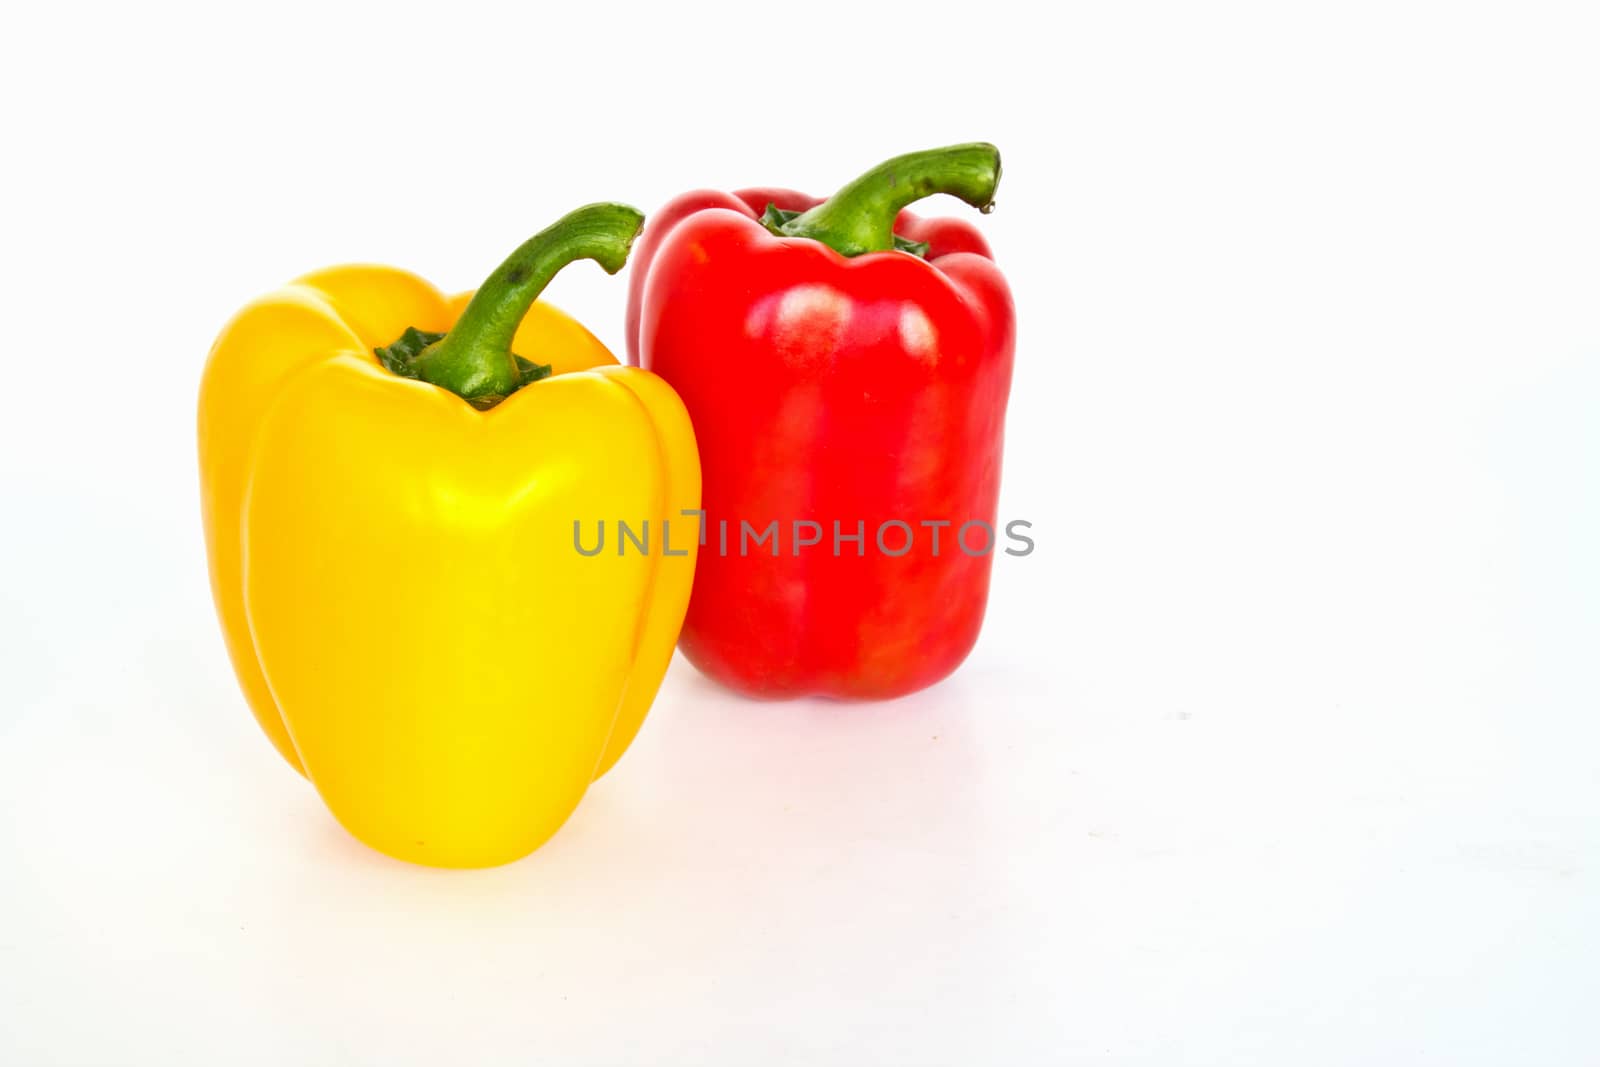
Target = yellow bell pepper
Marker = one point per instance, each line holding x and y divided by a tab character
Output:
393	560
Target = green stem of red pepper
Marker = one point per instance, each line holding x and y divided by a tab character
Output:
474	360
860	217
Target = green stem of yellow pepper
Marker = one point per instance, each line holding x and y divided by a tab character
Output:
474	360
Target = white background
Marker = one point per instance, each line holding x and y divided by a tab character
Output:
1281	749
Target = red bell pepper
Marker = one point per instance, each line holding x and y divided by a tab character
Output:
846	366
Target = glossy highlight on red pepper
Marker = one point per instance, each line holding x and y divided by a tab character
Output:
848	389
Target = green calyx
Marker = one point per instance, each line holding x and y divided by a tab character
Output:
776	218
401	358
860	217
474	359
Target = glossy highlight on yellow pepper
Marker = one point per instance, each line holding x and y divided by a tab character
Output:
394	568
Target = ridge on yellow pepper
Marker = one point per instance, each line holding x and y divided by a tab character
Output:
393	560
